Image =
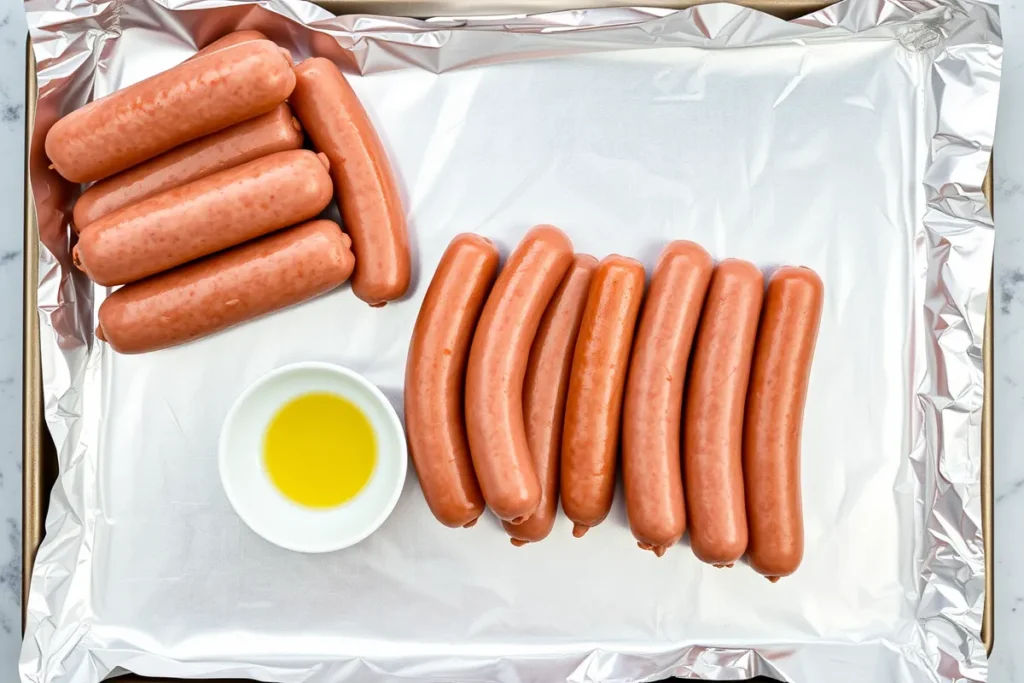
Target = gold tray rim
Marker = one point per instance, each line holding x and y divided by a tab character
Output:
32	410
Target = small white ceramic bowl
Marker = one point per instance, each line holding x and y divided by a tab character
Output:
259	503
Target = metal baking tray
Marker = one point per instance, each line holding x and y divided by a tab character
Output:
40	461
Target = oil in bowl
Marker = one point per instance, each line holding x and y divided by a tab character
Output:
320	450
312	457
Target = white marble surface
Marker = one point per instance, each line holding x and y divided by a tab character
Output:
1007	664
12	149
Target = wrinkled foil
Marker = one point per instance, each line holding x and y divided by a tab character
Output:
853	140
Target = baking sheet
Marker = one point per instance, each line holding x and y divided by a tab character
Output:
788	203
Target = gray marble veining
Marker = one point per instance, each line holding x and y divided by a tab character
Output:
1007	665
12	149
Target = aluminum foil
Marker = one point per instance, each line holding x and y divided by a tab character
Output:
854	140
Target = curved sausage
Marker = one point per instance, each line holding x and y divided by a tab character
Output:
275	131
203	217
497	369
713	420
590	437
774	419
226	289
230	39
196	98
367	193
652	409
435	376
545	390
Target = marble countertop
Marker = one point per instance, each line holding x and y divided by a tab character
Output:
1007	662
13	31
1007	665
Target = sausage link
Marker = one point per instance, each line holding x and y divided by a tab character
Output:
497	369
275	131
774	419
367	193
196	98
590	439
652	410
204	216
230	39
226	289
435	376
713	421
544	392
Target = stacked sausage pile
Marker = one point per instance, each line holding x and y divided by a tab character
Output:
203	198
519	383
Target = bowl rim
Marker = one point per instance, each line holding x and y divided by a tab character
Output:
394	422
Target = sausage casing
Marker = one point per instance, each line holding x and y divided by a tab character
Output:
590	436
496	371
198	97
774	418
275	131
230	39
225	289
545	390
204	216
652	409
435	376
368	196
713	421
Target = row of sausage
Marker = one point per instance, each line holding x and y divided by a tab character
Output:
194	172
522	386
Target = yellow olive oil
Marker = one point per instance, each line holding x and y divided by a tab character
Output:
320	450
